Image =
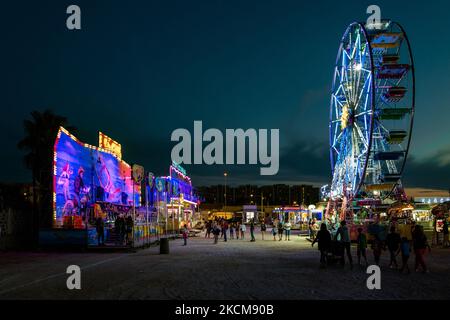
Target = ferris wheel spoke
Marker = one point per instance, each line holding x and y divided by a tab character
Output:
357	69
344	76
366	83
363	139
335	149
338	101
337	138
381	127
363	113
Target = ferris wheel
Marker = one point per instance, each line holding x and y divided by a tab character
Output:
371	111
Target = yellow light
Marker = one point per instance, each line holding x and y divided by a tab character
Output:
344	117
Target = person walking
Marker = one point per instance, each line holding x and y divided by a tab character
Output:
323	238
361	246
208	229
119	229
129	226
393	241
238	230
216	233
225	230
345	242
185	235
243	229
310	228
100	228
252	230
405	249
231	230
221	228
420	244
287	230
274	232
280	230
445	243
377	248
263	229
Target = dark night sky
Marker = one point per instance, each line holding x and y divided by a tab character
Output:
140	69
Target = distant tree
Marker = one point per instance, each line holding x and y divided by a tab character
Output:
38	142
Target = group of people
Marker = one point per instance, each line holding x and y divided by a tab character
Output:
280	228
123	227
223	228
394	243
236	230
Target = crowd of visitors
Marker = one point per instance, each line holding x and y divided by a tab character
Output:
334	246
339	246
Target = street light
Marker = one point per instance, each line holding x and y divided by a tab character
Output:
225	175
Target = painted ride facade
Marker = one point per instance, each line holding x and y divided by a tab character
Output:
101	200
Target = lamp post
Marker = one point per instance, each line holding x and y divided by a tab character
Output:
225	176
262	207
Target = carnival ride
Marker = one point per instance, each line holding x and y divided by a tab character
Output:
371	115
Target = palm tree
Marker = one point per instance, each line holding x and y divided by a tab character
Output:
38	142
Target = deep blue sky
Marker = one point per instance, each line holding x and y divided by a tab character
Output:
140	69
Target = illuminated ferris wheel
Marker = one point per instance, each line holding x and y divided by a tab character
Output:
371	111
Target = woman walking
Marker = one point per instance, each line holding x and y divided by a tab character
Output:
323	238
361	246
274	232
243	229
420	243
287	230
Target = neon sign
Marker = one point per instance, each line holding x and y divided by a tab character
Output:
109	144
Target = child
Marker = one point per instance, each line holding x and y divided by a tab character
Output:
377	247
405	249
361	242
274	232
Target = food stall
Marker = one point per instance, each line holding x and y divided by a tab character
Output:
440	212
296	215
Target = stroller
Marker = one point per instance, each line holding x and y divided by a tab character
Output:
335	253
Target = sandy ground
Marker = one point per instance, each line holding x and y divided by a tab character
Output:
237	269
